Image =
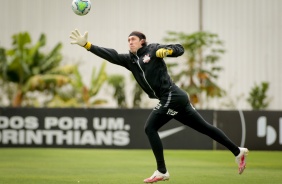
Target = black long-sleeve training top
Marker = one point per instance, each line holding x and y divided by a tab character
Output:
149	71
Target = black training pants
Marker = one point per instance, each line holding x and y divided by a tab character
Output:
175	104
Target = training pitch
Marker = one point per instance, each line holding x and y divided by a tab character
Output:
96	166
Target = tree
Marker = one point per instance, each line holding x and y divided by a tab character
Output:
76	93
138	94
257	96
30	70
202	52
27	67
118	83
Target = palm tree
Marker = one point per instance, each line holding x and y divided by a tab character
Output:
118	83
202	52
76	93
28	68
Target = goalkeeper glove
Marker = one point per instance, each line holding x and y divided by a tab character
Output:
79	39
161	53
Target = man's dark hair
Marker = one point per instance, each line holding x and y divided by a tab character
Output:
140	36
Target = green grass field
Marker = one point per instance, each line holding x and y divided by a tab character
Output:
95	166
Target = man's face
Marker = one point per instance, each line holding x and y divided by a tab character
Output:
134	43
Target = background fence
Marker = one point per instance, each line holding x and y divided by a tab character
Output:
123	129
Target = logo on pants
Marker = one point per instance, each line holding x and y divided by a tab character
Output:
171	112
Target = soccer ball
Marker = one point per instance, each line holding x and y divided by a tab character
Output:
81	7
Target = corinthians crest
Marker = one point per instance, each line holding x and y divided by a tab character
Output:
146	58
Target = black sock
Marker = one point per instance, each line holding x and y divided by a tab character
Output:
236	152
161	166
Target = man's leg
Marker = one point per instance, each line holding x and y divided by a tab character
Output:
154	122
193	119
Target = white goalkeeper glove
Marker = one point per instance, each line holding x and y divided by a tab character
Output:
79	39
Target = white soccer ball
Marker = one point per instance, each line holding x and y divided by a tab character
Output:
81	7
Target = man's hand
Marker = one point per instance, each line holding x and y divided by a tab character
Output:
162	53
79	39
